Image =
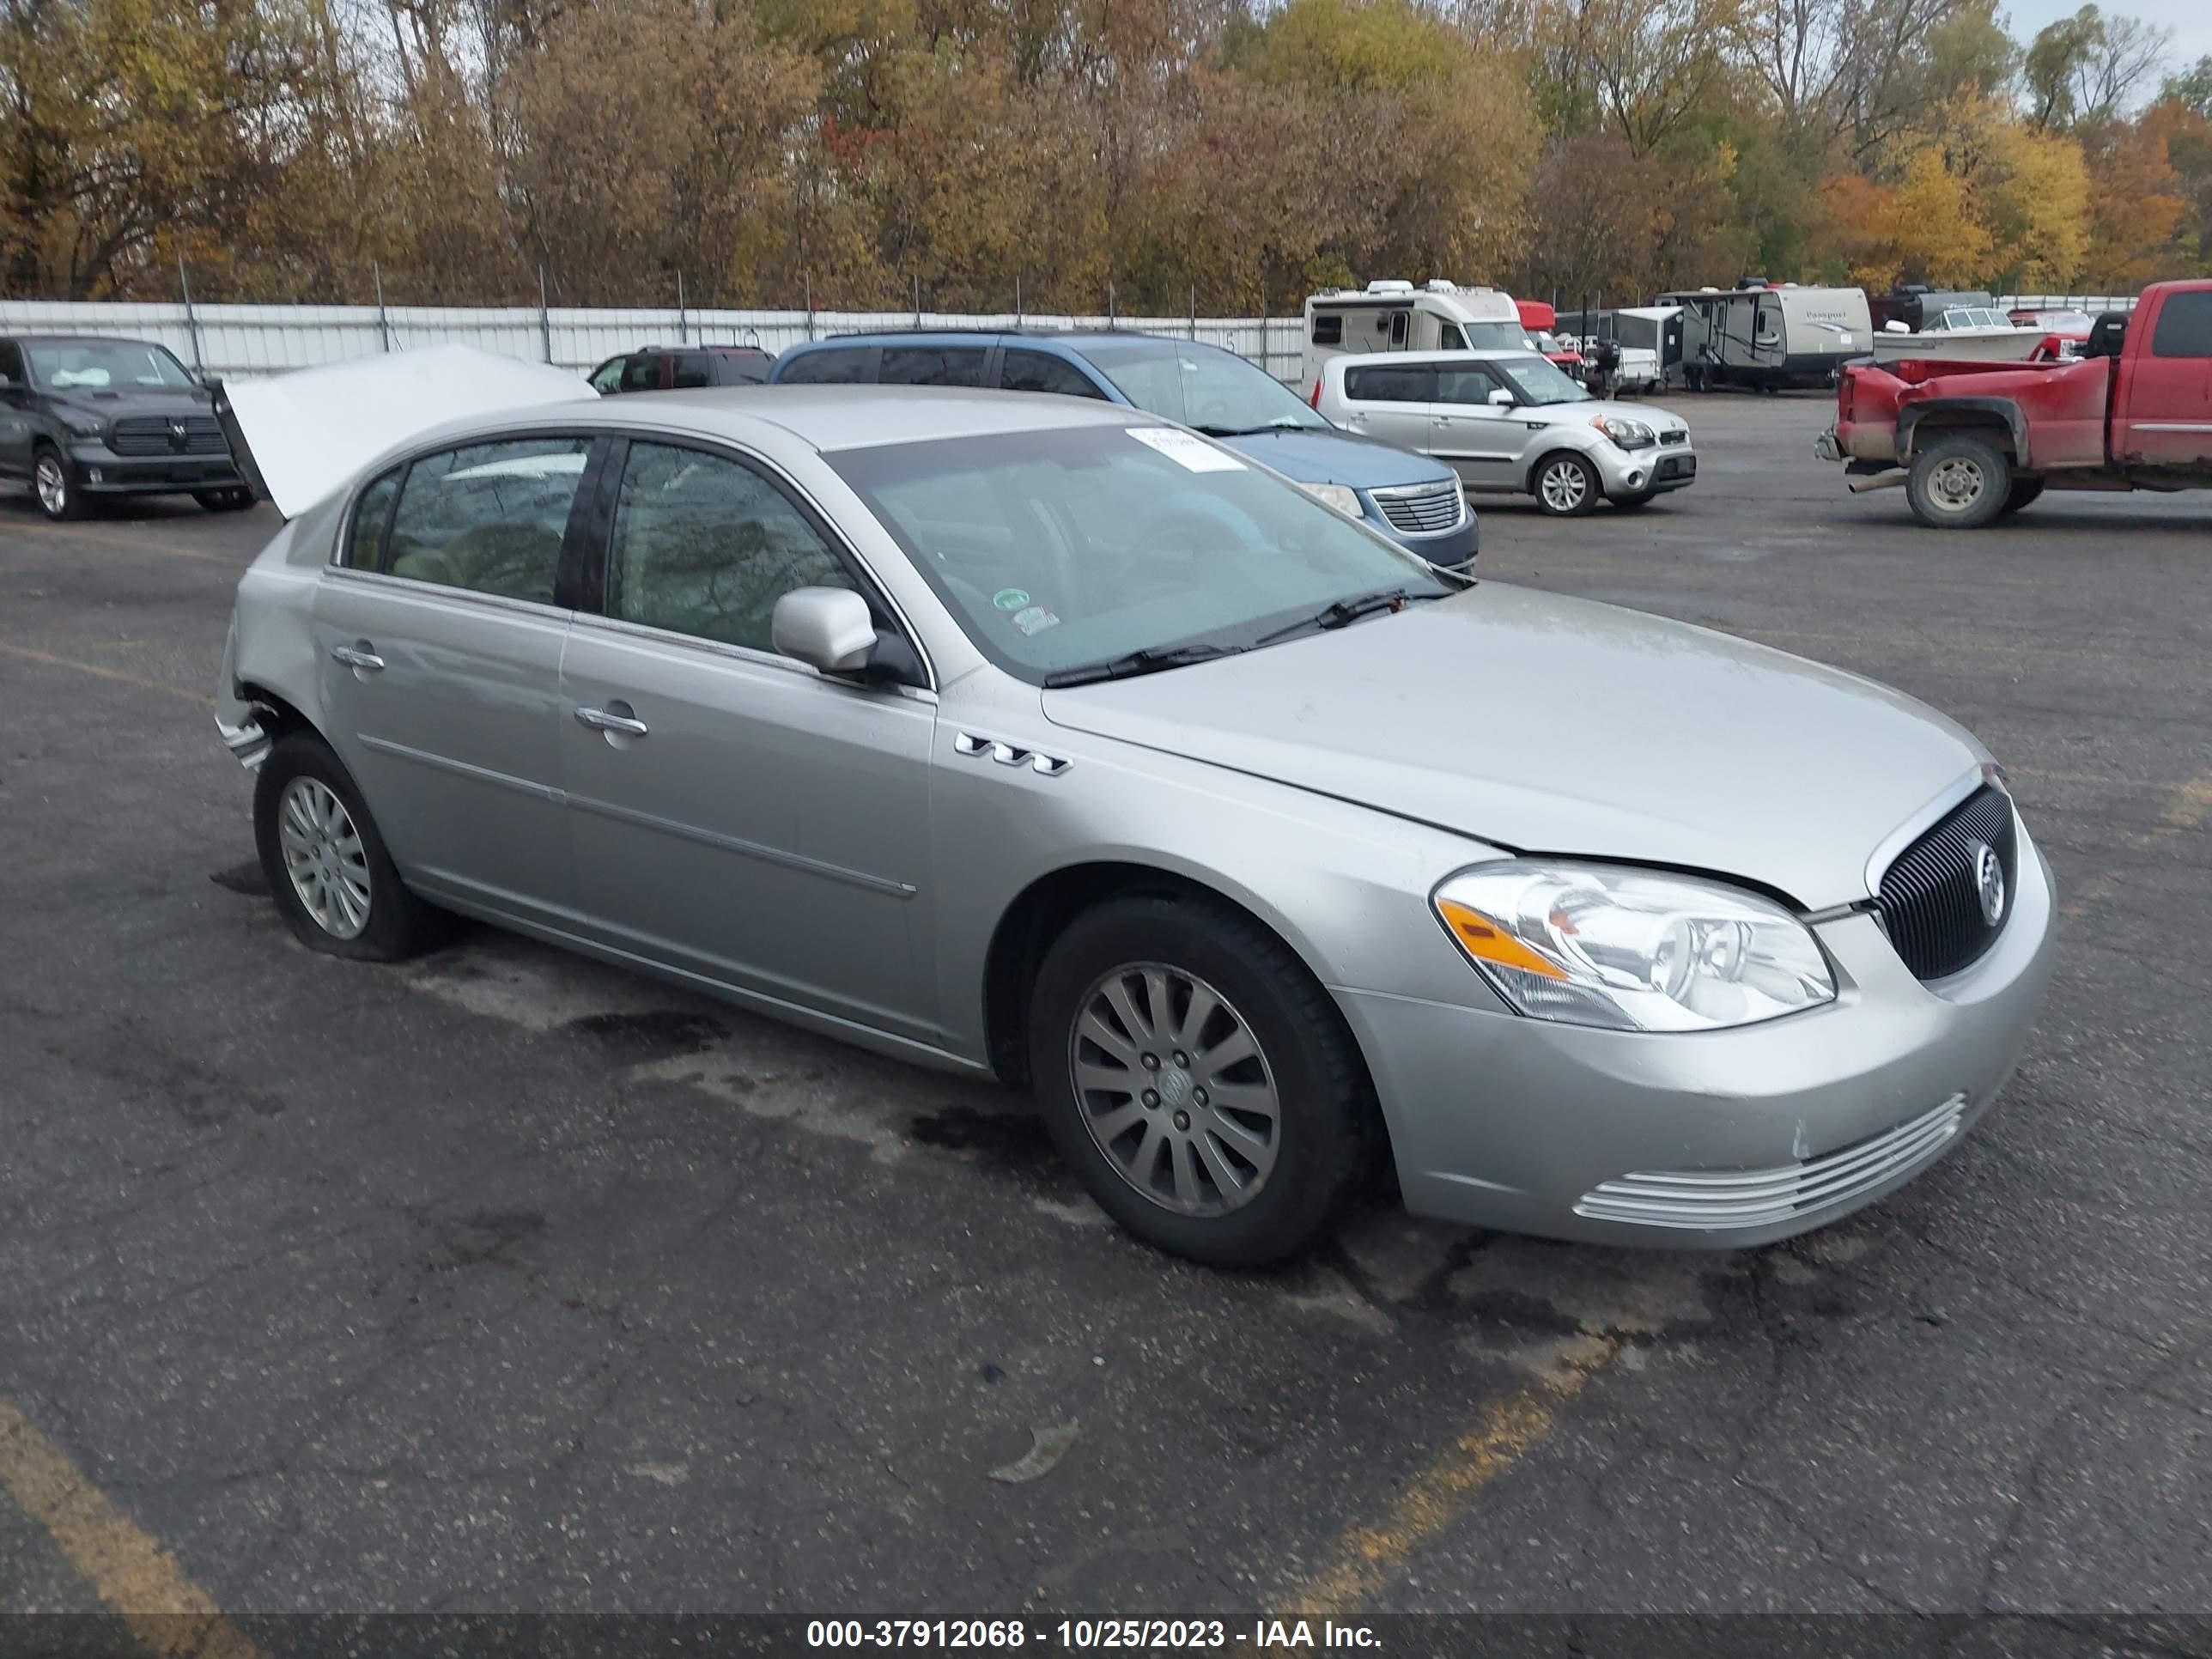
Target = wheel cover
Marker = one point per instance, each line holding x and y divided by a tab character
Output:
1955	484
325	857
1563	486
54	485
1174	1089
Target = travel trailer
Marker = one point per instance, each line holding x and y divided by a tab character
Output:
1398	316
1769	336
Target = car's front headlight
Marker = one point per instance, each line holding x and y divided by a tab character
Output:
83	423
1629	434
1634	949
1344	499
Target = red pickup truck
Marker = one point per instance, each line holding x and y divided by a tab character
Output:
1973	441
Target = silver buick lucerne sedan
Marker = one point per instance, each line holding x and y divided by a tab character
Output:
1037	738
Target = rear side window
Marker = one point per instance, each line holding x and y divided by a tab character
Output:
704	545
931	366
2184	326
642	373
489	518
694	368
840	366
1329	329
372	520
1040	371
1391	383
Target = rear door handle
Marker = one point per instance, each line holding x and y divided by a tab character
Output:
600	719
359	655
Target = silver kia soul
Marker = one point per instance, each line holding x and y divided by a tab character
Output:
1037	738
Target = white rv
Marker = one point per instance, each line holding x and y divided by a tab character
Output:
1766	334
1398	316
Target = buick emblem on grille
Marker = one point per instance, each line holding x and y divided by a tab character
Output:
1990	883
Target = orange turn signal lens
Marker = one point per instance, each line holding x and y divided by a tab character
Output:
1485	941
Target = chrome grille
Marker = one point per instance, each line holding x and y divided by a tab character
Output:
151	435
1929	899
1713	1201
1423	509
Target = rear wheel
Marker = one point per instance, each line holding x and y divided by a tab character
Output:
2023	491
1960	481
54	482
326	866
1565	485
1199	1080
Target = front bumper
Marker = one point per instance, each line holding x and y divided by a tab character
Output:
1657	467
1706	1139
101	471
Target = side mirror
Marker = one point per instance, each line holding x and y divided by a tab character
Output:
1894	326
830	628
1500	398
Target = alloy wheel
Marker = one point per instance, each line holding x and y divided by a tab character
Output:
325	857
52	486
1173	1086
1563	486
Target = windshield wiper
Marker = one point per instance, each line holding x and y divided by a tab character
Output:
1281	423
1338	613
1149	660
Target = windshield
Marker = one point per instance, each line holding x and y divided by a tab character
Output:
1077	546
1539	380
1497	336
108	365
2065	322
1200	385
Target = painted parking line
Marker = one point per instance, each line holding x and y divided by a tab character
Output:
121	544
32	654
170	1615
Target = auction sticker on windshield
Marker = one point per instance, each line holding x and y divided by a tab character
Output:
1193	454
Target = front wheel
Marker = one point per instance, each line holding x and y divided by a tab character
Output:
326	863
1958	482
1199	1080
60	496
1567	485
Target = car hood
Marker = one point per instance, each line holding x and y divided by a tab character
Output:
1659	420
111	405
308	433
1544	724
1315	456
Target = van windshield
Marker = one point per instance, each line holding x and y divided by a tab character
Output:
1215	391
1495	337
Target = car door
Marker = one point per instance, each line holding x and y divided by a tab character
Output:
2165	386
1392	401
437	634
1485	443
15	413
735	814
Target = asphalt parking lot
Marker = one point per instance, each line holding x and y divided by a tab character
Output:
504	1280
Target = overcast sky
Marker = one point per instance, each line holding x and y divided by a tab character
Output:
2190	21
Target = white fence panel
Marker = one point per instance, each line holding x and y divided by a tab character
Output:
242	341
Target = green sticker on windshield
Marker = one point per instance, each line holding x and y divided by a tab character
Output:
1010	598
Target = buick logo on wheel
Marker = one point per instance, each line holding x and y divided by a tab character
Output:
1989	882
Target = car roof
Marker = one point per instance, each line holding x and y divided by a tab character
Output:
1485	355
830	417
671	351
79	339
1075	338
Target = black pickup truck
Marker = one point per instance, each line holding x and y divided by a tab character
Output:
87	417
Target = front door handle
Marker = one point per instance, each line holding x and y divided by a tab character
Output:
359	655
601	719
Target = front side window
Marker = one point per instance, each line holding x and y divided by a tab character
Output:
1040	371
1072	546
839	366
1466	383
1535	380
489	518
365	542
1391	383
108	366
931	366
1215	391
704	545
2184	326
